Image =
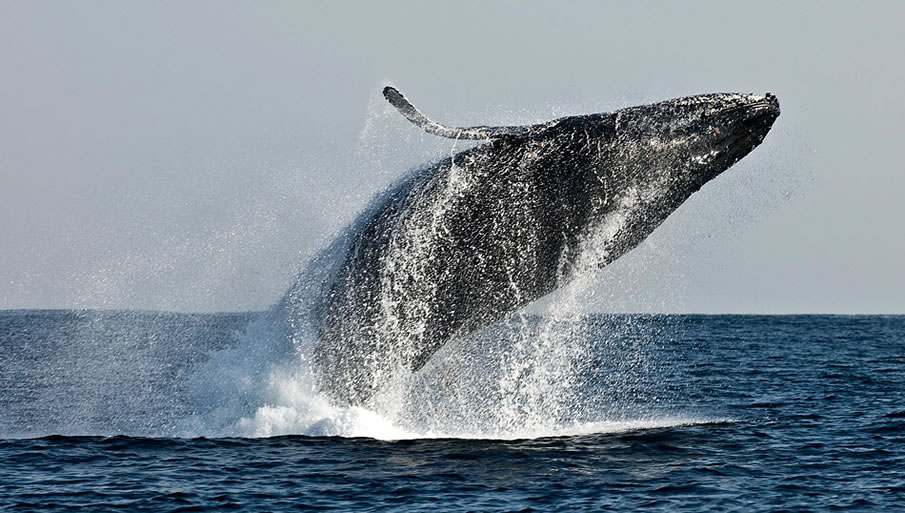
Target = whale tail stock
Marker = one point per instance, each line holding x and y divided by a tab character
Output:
412	114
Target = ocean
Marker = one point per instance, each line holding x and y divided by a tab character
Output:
143	411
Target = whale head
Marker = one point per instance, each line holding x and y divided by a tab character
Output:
687	142
623	173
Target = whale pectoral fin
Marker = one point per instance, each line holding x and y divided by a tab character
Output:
408	110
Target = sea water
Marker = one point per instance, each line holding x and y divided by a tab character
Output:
142	411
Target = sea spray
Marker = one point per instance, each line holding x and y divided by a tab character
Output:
522	375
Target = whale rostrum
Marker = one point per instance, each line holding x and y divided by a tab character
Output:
458	244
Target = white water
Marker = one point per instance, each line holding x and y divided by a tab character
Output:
469	392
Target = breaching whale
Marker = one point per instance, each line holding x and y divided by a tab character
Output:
459	244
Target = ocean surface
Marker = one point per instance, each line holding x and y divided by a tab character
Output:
137	411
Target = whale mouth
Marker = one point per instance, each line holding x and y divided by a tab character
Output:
762	108
770	100
745	127
751	122
766	108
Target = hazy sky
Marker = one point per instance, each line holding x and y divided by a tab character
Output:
192	155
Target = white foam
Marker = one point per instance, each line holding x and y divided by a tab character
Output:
264	387
318	418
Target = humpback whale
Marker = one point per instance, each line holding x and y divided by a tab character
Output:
458	244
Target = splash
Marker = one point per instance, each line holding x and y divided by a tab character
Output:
473	389
527	376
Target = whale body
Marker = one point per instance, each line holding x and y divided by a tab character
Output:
461	243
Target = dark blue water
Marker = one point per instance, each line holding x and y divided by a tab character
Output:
756	413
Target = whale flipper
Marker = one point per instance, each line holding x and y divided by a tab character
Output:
408	110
